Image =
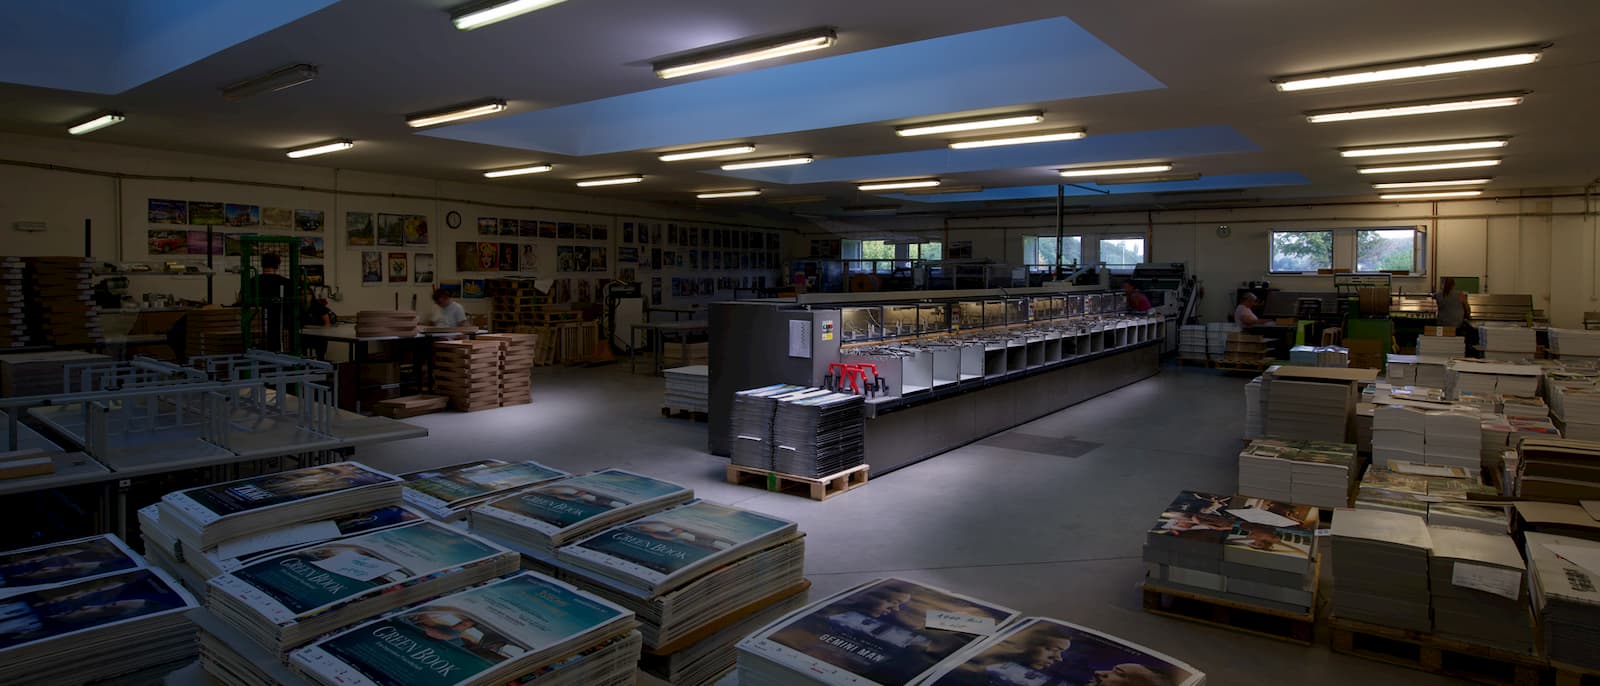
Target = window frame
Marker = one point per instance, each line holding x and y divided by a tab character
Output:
1346	246
1419	248
1030	261
1100	253
1333	250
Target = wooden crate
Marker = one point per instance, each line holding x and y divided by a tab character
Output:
1431	653
816	489
1266	622
410	406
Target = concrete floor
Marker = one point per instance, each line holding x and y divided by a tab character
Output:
1043	533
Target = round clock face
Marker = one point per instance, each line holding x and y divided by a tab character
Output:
453	219
1224	232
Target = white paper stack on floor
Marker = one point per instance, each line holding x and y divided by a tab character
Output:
447	493
1565	575
1401	370
1579	344
1433	373
1309	410
1398	433
1380	569
1454	438
1507	342
1217	339
750	444
1527	406
1192	342
490	634
1479	587
538	520
1495	432
818	434
1236	548
1263	471
1315	473
1254	409
1115	659
205	516
875	633
1445	347
687	388
1489	378
1575	405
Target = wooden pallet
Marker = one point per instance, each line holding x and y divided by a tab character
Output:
1570	675
1432	653
696	415
1228	366
816	489
1226	614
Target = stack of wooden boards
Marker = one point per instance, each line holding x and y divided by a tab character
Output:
13	318
1246	350
410	406
66	285
213	331
380	323
468	372
517	351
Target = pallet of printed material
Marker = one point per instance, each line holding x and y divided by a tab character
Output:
816	489
1282	625
1432	653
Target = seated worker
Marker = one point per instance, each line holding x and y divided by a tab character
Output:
1243	315
450	313
1137	300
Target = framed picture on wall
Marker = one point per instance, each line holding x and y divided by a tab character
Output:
415	229
451	287
315	274
488	257
399	267
391	230
528	260
371	267
597	259
627	232
358	229
602	232
547	229
466	256
312	247
277	218
527	228
581	232
241	215
508	227
167	211
474	289
627	254
565	230
509	252
203	213
580	258
488	226
168	242
422	268
308	220
564	259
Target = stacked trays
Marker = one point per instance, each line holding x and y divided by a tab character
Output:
1566	597
468	372
1244	550
62	290
13	313
1480	590
751	425
384	323
39	373
516	366
1380	569
817	433
687	388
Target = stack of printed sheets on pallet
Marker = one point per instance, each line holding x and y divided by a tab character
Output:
1314	473
1234	548
446	493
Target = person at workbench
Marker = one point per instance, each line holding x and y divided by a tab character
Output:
1454	311
1243	315
450	314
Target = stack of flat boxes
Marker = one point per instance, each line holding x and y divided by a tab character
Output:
468	372
1199	547
516	366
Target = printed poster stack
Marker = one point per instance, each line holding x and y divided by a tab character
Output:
1380	569
1192	342
894	632
538	520
90	610
1437	494
468	372
446	493
1446	347
62	290
817	432
1577	407
687	388
1559	469
385	323
13	313
751	425
1575	344
201	518
1480	590
1309	410
1313	473
1489	378
516	366
526	629
1565	575
1507	342
1244	550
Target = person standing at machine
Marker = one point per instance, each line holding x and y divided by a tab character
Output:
1137	300
1454	312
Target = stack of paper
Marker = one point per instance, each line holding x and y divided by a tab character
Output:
1314	473
1263	471
1507	342
203	517
1398	433
708	659
1437	494
1495	432
1579	412
447	493
490	634
1319	356
1060	653
1309	410
818	433
1565	576
1441	346
1524	406
1433	373
687	388
887	631
685	568
1493	377
1192	342
1217	339
1454	438
1402	370
1479	587
287	599
1244	550
1532	427
750	426
1575	343
1380	569
538	520
1254	409
1559	469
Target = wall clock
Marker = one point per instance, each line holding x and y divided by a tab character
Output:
1223	231
453	219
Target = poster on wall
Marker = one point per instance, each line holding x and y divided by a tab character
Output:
474	289
581	254
453	288
581	232
308	220
415	228
527	228
508	257
466	256
529	259
960	250
232	246
627	232
564	258
241	215
168	242
488	226
422	269
597	259
358	229
391	230
197	243
277	217
547	229
312	247
203	213
627	254
583	295
488	257
168	211
315	274
371	267
399	267
655	258
565	230
628	275
508	227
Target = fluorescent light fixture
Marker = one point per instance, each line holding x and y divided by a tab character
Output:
322	148
270	82
1423	148
768	162
481	14
713	195
1429	166
611	181
1159	178
1413	69
1072	135
725	151
1116	171
747	52
1429	184
797	200
1427	196
97	123
974	124
476	109
1407	109
897	185
518	171
940	190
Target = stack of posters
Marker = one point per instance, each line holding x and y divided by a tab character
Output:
818	433
1577	408
1453	438
1380	569
1559	469
1479	587
1309	410
286	599
1492	377
1432	373
1441	346
1398	433
708	659
1244	550
890	632
1507	342
447	493
1437	494
1401	370
751	424
528	629
1568	344
1316	473
684	568
1046	652
687	388
90	610
538	520
203	517
1255	411
1526	406
1564	574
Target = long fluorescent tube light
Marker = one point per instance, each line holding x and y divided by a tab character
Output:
897	185
518	171
797	200
97	123
1072	135
974	124
1423	148
1160	178
1116	171
713	195
481	14
1429	166
270	82
745	53
1426	196
768	162
610	181
477	109
1407	109
726	151
321	148
1413	69
1429	184
942	190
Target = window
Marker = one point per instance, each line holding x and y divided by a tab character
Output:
931	250
1388	250
1301	251
1124	252
1039	252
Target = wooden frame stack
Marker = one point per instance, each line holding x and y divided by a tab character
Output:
468	372
62	290
377	323
516	366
